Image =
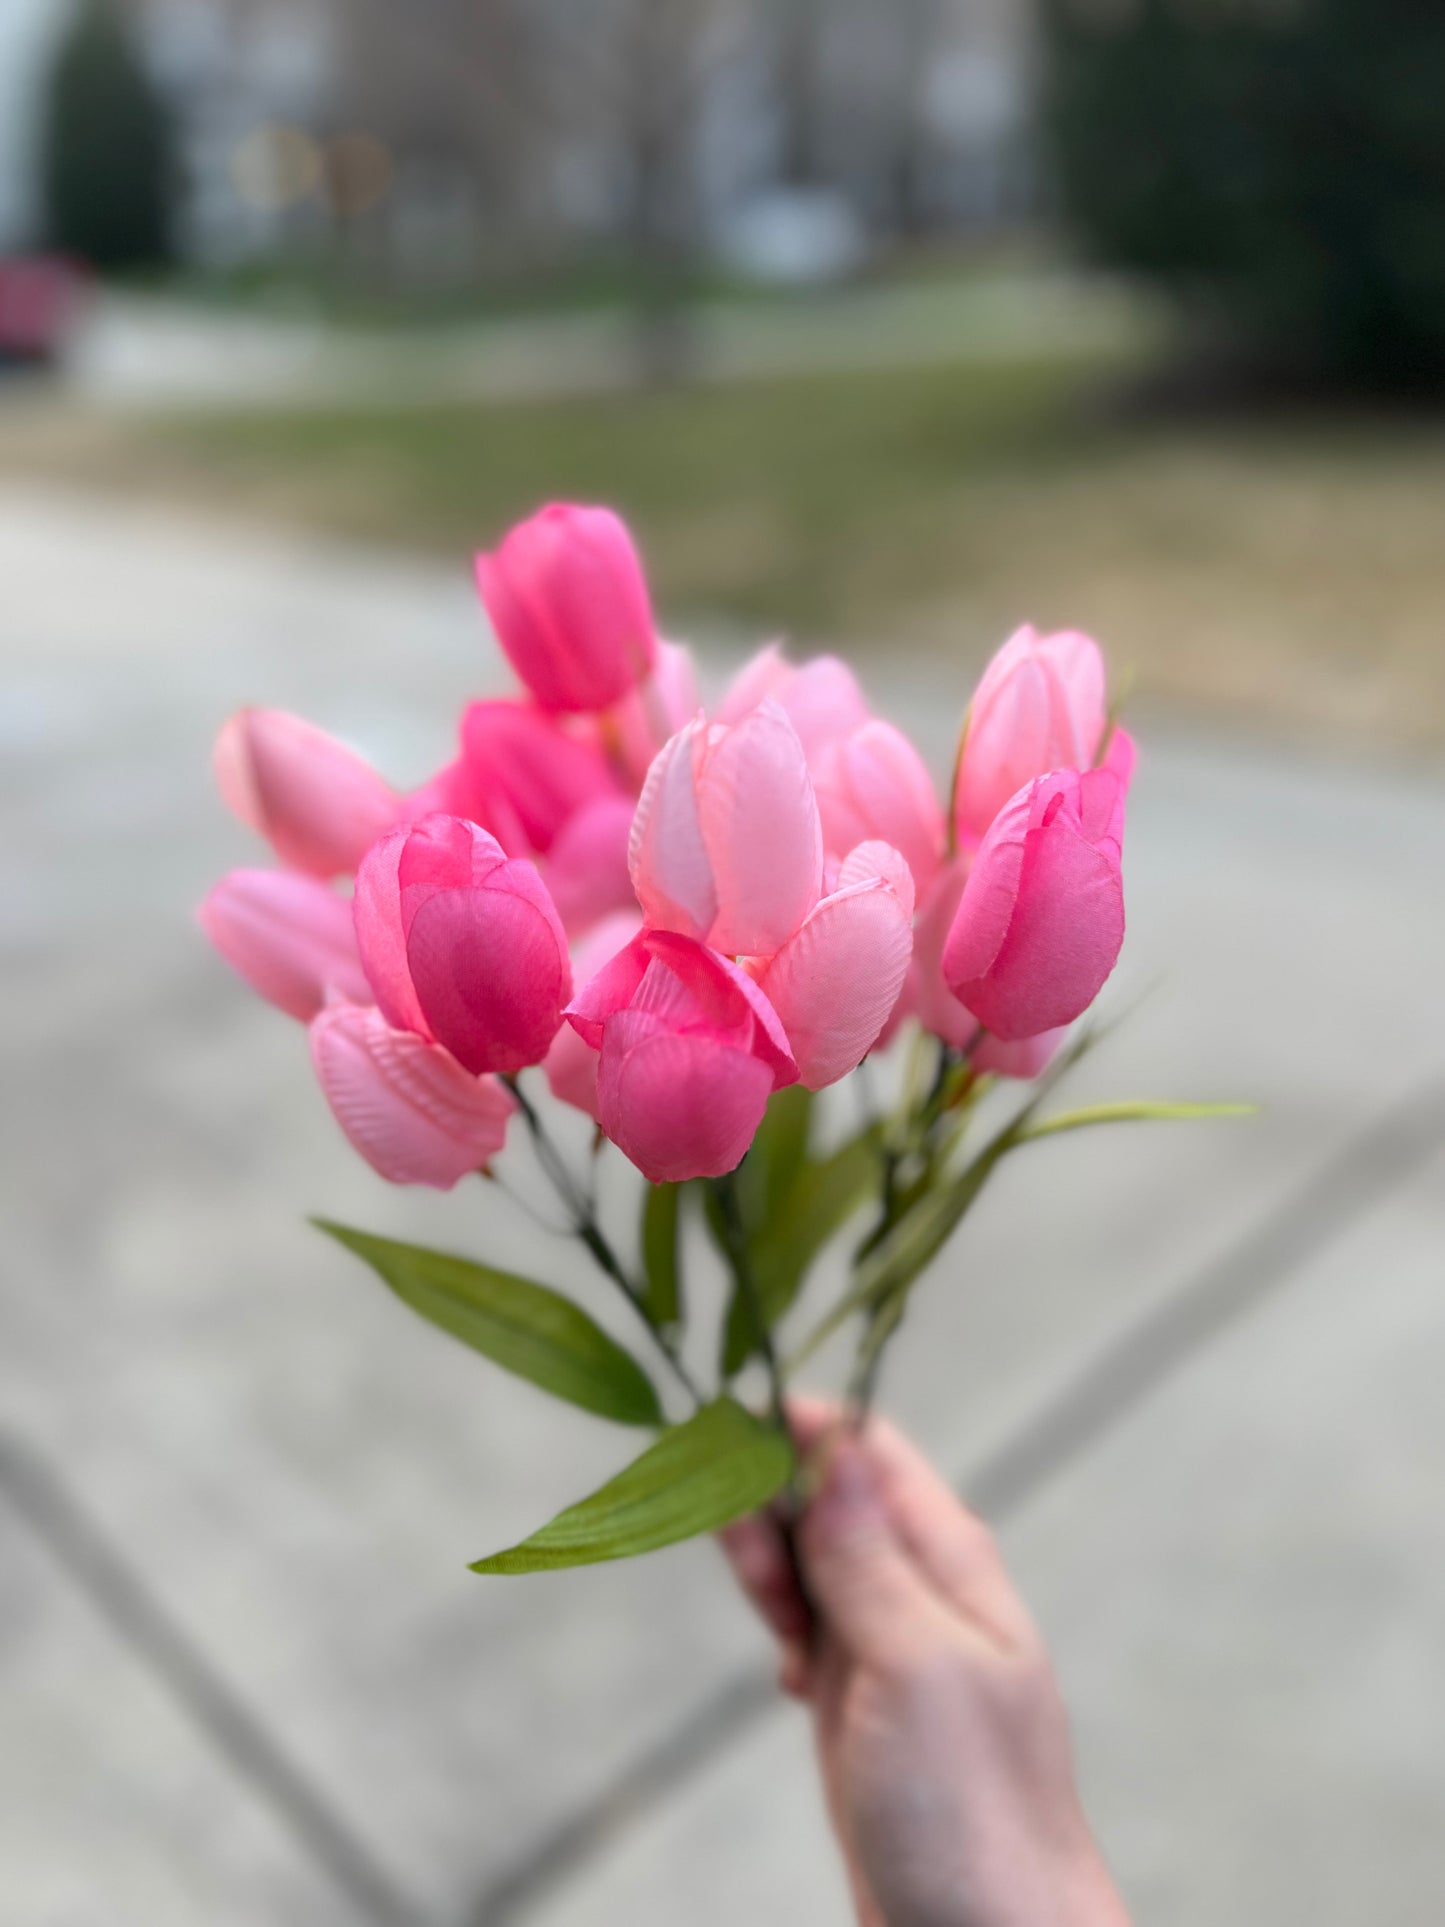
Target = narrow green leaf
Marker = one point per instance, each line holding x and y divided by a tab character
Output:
1127	1111
699	1476
777	1153
524	1327
823	1195
660	1212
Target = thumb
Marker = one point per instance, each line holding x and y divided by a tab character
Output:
867	1590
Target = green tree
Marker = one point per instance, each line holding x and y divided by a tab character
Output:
107	152
1278	163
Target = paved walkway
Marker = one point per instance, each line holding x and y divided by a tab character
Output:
1194	1372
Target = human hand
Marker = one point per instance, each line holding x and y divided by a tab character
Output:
942	1739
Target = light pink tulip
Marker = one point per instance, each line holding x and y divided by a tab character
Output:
873	785
461	945
1024	1058
523	775
726	843
288	936
571	1063
835	981
587	872
1041	917
636	728
567	597
820	697
690	1052
406	1105
1039	707
317	804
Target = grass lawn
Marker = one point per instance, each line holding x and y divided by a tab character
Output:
1290	570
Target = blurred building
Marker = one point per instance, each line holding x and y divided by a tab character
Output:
462	129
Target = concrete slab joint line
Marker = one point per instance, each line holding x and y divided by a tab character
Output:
90	1562
1127	1369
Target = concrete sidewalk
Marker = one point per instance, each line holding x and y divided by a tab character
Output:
244	1674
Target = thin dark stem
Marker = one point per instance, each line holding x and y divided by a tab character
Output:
587	1228
788	1510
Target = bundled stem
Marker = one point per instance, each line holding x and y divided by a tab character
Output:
587	1228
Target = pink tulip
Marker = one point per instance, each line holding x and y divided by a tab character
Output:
690	1052
288	936
1041	917
571	1063
726	843
587	872
317	804
567	597
835	981
1038	707
873	785
406	1105
461	945
820	697
523	775
1024	1058
636	728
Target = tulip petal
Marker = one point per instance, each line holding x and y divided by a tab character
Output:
669	861
490	1019
317	803
1041	919
760	826
289	936
587	873
679	1106
835	982
874	784
407	1106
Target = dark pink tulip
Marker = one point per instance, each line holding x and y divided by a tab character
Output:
290	937
587	871
1041	918
317	804
1039	706
406	1105
571	1063
462	945
568	600
690	1052
523	775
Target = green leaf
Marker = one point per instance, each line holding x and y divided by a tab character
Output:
523	1327
1127	1111
699	1476
822	1197
661	1298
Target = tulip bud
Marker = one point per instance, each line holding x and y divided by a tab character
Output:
726	843
835	981
690	1049
462	945
1039	706
1041	918
872	785
406	1105
290	937
317	804
819	697
568	600
523	776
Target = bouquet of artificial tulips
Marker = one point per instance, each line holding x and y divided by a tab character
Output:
684	922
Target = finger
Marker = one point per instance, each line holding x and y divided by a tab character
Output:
754	1549
795	1672
953	1547
864	1583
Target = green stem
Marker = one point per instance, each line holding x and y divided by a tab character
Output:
586	1227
